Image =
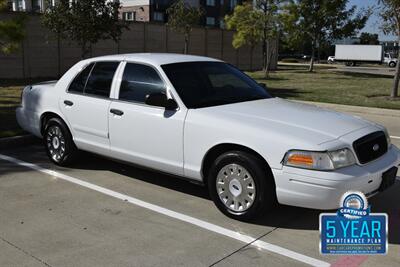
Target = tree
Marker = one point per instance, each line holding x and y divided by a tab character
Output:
12	31
248	24
269	9
85	22
390	13
369	38
182	17
321	21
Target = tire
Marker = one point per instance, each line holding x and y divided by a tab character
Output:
58	142
392	64
350	64
254	184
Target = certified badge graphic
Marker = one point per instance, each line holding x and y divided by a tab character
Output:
354	205
353	229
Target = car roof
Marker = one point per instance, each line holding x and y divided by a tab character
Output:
155	58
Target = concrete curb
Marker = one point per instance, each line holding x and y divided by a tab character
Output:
383	75
355	109
17	141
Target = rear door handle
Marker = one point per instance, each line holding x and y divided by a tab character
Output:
68	103
117	112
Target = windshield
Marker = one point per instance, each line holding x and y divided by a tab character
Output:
205	84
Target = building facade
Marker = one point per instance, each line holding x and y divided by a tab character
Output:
148	10
155	10
391	47
29	5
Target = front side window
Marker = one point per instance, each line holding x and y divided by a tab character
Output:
139	81
100	79
78	84
205	84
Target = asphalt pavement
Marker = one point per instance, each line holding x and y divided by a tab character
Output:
103	213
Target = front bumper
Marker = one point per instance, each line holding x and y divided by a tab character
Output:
323	190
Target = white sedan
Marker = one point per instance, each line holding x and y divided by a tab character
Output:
203	119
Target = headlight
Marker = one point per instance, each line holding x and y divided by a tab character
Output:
322	161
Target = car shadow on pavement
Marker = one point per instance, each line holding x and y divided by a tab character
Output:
282	216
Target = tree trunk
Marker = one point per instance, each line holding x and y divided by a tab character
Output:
265	52
311	69
395	88
265	58
270	55
251	57
84	50
186	48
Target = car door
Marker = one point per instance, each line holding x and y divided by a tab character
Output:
86	105
143	134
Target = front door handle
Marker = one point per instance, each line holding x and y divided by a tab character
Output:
68	103
117	112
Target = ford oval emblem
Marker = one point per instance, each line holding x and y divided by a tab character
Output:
375	147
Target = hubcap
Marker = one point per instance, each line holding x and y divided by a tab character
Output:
55	143
235	187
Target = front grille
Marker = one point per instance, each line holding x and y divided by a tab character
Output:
370	147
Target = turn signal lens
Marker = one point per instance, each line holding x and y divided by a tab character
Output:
300	159
322	161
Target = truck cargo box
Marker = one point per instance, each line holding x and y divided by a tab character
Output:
359	53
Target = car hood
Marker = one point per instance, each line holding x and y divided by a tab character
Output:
292	118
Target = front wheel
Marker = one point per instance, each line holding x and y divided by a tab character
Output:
392	64
241	186
58	142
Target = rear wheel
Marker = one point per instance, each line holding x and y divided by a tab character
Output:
240	185
392	64
58	142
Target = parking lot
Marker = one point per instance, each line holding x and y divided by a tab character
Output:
101	213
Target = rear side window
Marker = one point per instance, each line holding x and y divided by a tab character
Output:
100	79
138	81
78	84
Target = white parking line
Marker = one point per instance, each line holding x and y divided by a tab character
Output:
395	137
179	216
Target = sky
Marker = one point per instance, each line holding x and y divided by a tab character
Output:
374	21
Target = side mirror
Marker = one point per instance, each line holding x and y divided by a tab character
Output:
160	100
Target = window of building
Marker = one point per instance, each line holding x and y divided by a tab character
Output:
129	16
210	2
100	79
221	2
210	21
20	5
222	23
36	5
233	3
139	81
158	16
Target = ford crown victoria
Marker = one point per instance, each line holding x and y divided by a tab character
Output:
203	119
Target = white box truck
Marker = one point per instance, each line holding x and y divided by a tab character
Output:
352	55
